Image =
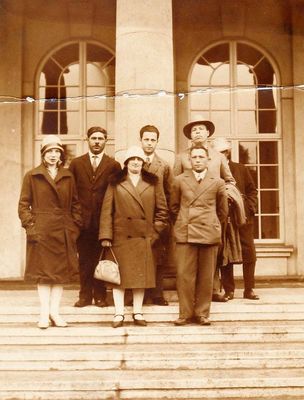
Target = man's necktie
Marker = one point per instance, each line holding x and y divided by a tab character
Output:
94	163
148	161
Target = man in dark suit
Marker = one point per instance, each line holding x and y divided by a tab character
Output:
198	205
91	172
246	186
149	136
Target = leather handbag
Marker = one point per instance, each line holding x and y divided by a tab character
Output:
107	270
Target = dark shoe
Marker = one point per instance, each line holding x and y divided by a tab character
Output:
229	295
139	322
203	321
219	298
101	303
251	295
83	303
182	321
160	301
119	323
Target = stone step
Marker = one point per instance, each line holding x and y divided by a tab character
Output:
153	334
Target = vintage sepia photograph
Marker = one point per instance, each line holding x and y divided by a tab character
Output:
151	204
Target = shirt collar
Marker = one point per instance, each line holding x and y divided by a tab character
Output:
98	156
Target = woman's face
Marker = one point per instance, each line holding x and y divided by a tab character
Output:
135	165
52	156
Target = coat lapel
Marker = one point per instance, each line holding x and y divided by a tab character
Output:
198	188
155	165
134	192
87	166
102	165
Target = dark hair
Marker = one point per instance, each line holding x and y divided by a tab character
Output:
197	147
148	128
94	129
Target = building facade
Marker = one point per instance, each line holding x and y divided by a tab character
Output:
67	65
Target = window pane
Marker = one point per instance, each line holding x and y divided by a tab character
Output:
221	75
248	54
97	118
72	100
254	174
221	120
201	75
67	55
248	152
265	73
72	121
219	53
269	202
270	227
267	121
256	227
48	123
245	75
269	177
95	103
246	98
247	123
95	76
200	101
220	99
268	152
70	76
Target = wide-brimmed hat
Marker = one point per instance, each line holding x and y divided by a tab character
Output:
134	151
198	120
221	144
50	142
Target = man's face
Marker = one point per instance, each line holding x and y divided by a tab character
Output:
199	160
199	133
149	142
97	142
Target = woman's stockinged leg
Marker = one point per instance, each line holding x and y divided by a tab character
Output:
56	294
44	292
118	297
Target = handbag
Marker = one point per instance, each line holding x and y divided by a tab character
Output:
107	270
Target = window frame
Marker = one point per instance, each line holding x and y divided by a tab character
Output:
234	137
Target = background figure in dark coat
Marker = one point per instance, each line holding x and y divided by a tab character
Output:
134	213
149	136
248	189
51	214
199	206
91	172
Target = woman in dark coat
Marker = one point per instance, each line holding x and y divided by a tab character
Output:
50	212
133	214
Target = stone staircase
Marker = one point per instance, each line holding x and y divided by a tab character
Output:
252	350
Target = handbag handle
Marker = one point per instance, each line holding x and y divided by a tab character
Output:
102	251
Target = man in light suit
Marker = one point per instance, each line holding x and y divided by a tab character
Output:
91	172
199	131
149	136
198	205
246	186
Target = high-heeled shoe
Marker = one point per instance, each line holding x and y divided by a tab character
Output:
57	320
43	323
139	322
119	323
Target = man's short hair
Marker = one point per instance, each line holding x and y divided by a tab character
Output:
198	146
148	128
94	129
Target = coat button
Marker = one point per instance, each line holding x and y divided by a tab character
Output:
129	237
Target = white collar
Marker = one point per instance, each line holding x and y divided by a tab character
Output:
97	156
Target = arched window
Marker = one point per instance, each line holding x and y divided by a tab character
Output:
234	85
70	86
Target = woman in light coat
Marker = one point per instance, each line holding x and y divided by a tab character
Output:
50	212
133	214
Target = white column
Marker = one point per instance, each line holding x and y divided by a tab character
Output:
11	255
144	66
298	78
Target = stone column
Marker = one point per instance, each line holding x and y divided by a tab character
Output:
298	78
11	254
144	68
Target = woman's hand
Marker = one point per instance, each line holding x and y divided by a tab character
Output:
106	243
